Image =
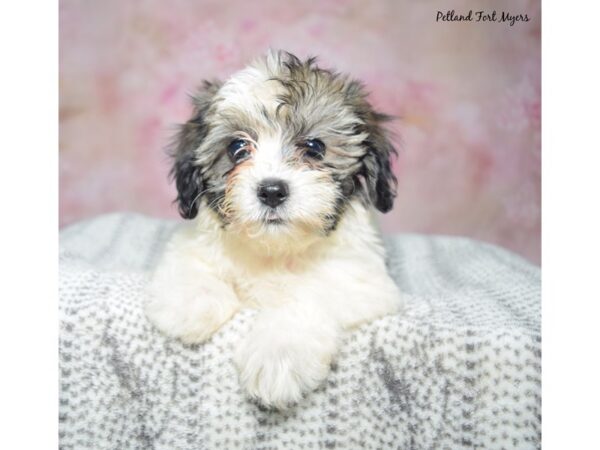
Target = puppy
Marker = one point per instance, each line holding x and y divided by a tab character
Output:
280	168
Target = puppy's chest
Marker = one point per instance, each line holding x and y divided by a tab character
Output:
271	285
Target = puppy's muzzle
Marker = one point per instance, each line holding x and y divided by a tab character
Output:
272	192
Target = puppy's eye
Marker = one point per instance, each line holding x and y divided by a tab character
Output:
314	148
238	150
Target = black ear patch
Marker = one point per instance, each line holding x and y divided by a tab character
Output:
377	169
189	184
186	171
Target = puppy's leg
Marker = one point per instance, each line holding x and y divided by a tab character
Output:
289	350
354	290
287	353
186	299
364	297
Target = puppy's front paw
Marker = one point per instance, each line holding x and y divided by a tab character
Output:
190	313
278	375
280	361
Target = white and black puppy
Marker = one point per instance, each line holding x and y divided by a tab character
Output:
279	167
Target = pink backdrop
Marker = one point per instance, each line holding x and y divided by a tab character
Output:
467	94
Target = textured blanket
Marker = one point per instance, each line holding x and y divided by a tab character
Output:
460	368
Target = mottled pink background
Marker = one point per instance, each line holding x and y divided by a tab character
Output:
467	95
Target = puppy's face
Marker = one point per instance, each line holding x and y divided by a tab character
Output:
281	148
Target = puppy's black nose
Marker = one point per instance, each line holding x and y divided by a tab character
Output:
273	192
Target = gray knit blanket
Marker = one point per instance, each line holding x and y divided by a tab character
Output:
460	368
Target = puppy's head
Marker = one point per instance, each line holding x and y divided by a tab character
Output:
282	147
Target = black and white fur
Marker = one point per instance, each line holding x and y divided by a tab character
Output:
279	167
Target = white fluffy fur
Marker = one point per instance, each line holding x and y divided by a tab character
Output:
308	292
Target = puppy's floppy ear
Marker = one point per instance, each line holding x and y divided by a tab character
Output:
377	170
186	170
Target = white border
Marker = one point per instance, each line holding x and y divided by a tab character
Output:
28	241
571	225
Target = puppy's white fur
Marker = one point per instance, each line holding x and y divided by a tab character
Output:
306	298
309	286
